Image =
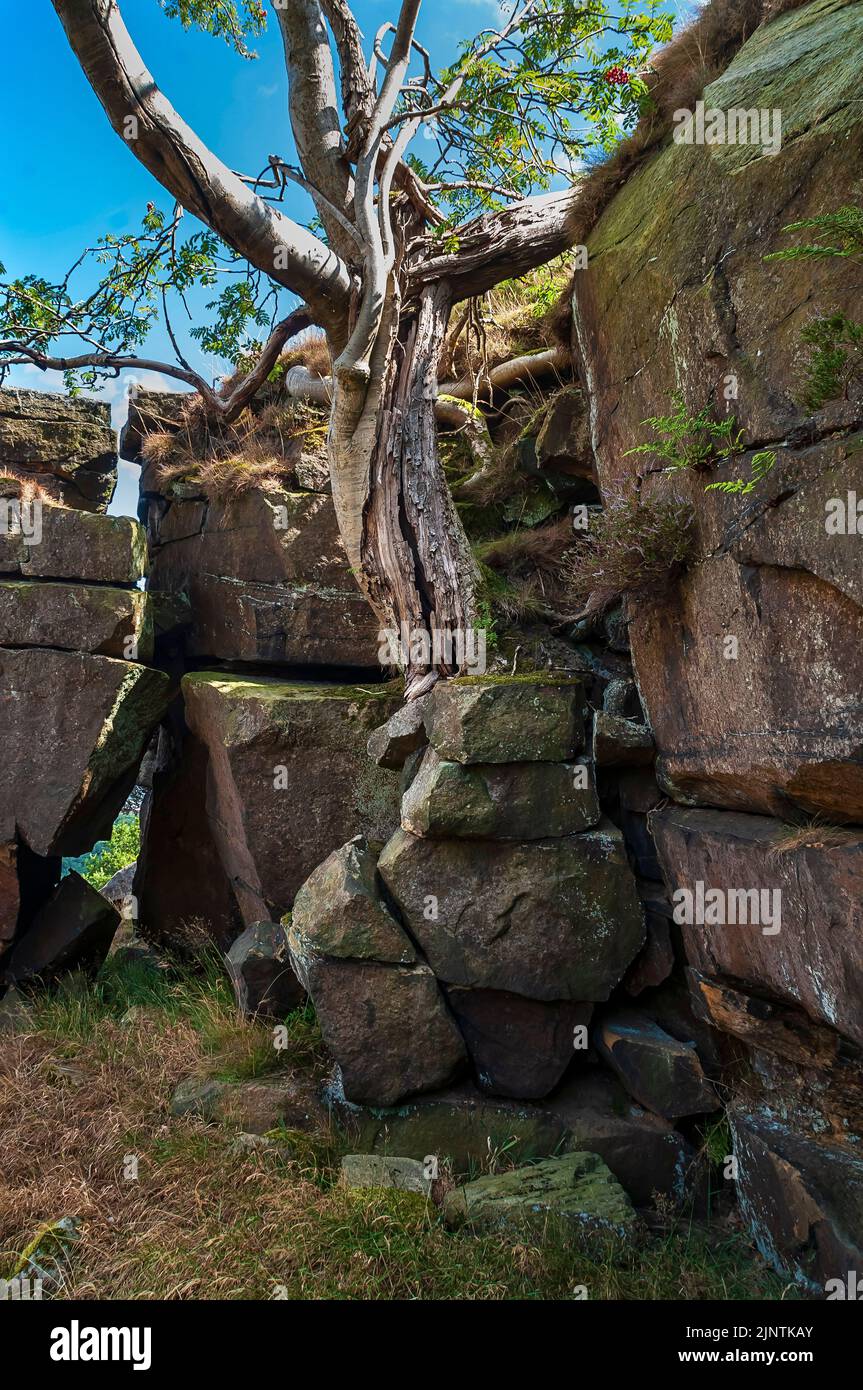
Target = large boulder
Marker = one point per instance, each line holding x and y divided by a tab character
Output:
771	721
387	1026
78	546
810	951
267	579
501	801
63	444
79	724
288	778
76	617
380	1010
546	919
507	719
339	913
73	931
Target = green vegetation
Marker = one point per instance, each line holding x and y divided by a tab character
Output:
835	342
108	857
204	1220
685	441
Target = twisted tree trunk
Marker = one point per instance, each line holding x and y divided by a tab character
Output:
405	540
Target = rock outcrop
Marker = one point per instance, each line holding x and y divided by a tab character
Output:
749	664
65	447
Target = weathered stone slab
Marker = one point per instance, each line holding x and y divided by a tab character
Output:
459	1126
375	1170
546	919
816	957
78	725
506	719
78	545
289	779
500	801
66	445
803	1199
577	1187
75	617
180	884
267	579
255	1107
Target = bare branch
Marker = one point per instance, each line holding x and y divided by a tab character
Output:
225	407
205	186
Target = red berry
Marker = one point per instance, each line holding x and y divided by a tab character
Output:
618	77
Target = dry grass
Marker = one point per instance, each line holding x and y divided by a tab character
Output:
815	834
633	547
260	449
90	1083
508	321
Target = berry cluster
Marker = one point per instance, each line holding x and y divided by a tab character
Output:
618	77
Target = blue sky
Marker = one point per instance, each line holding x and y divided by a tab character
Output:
67	178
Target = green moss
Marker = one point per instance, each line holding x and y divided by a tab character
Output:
271	691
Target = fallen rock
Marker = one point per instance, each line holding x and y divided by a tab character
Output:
518	1047
576	1188
506	719
803	1199
76	617
260	970
255	1107
288	779
73	931
79	546
387	1026
662	1074
376	1170
64	444
619	742
501	801
65	794
547	919
762	1024
404	732
815	958
643	1151
339	913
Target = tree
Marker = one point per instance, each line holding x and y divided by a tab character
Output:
397	241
